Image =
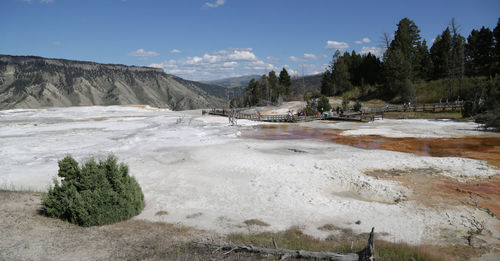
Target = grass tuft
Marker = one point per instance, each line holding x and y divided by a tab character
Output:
256	222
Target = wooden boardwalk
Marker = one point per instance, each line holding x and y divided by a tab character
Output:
365	115
356	116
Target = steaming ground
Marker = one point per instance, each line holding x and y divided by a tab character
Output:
205	175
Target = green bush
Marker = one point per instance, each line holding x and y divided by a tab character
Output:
345	103
95	194
324	104
357	106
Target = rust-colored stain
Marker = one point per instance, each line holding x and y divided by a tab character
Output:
429	188
481	148
485	193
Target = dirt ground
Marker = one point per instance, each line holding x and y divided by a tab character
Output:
25	234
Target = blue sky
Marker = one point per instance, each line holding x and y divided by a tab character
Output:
211	39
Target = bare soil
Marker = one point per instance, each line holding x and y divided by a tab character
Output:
25	234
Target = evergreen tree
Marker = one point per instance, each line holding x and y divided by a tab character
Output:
341	74
397	70
370	69
324	104
327	81
440	54
274	90
479	52
327	87
264	90
402	58
285	81
496	55
406	40
95	194
253	92
354	62
426	64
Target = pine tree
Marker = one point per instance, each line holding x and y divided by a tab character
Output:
285	81
440	54
496	55
274	91
253	92
402	60
479	51
95	194
327	87
426	64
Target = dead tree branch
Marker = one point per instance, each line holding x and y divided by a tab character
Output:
368	253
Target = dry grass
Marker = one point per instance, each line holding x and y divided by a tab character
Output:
195	215
341	242
25	234
161	213
256	222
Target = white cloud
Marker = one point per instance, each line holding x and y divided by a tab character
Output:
364	40
310	56
143	53
175	51
377	51
273	59
215	4
296	59
242	55
217	65
56	43
334	45
308	69
292	72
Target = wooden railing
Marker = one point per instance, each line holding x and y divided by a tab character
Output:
366	114
426	107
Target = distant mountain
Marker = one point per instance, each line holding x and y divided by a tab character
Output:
307	83
234	82
36	82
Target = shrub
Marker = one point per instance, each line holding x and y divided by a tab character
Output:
95	194
357	106
324	104
345	103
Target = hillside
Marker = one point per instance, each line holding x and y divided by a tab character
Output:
309	81
234	82
36	82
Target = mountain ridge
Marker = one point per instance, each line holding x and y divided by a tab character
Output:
38	82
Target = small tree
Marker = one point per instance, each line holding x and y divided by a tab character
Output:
345	103
95	194
285	82
324	104
357	106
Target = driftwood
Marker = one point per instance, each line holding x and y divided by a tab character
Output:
366	254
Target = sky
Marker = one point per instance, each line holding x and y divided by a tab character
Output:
214	39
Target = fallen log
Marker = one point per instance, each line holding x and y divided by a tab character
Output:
368	253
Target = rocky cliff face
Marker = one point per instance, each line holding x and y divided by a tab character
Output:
35	82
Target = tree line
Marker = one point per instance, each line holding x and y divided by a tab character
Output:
269	89
408	60
454	67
